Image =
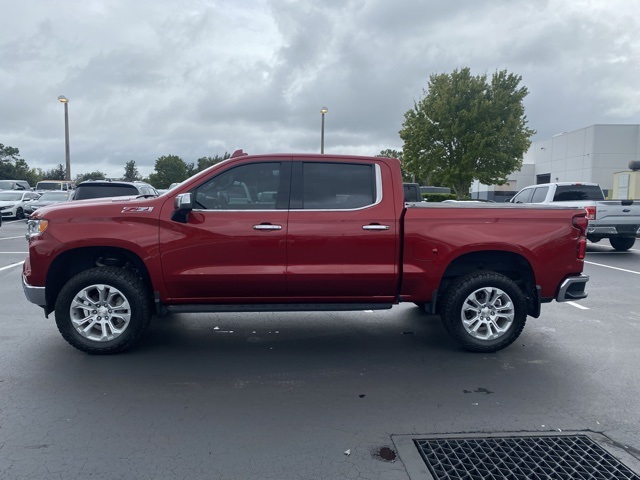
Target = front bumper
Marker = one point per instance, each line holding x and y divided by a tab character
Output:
34	294
572	288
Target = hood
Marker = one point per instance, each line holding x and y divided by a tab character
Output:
4	203
99	207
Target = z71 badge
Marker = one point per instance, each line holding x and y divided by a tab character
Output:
136	209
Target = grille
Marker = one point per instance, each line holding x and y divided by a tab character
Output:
531	458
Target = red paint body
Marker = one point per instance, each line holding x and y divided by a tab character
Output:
317	256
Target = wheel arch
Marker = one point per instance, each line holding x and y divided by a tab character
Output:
72	262
512	265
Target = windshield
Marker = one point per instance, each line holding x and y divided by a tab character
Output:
9	196
49	186
53	197
6	185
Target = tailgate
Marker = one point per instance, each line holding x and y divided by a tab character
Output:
624	214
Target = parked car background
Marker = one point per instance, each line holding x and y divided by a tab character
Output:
13	202
108	188
14	185
62	185
47	198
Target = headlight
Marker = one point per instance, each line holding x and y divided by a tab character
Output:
36	227
7	207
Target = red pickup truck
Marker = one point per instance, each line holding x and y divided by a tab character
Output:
299	232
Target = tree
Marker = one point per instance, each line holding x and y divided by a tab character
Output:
8	154
466	128
168	169
389	153
95	175
58	173
131	173
206	162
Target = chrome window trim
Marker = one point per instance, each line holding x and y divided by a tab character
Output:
378	200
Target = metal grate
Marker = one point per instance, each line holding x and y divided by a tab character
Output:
514	458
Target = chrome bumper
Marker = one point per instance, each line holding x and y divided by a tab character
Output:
34	294
572	288
619	230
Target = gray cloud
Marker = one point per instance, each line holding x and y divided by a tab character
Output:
196	78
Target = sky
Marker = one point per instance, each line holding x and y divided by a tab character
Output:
196	78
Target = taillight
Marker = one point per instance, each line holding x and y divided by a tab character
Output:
580	222
591	212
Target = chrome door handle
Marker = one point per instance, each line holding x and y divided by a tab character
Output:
263	226
376	227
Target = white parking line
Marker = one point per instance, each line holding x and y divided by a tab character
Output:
577	305
22	253
12	238
11	266
613	268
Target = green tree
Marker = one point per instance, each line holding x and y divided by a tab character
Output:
131	173
58	173
389	153
9	154
12	167
467	128
168	169
95	175
206	162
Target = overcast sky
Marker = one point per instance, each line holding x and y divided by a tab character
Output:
196	78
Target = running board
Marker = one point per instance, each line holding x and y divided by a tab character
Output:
277	307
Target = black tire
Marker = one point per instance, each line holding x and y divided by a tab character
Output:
503	290
19	214
128	303
622	244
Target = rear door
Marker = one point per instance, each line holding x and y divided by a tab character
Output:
343	233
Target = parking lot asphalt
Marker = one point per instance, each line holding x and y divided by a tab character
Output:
306	395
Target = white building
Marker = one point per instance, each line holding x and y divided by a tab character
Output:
591	154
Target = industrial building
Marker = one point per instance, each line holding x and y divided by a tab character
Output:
591	154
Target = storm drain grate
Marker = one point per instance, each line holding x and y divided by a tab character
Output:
531	458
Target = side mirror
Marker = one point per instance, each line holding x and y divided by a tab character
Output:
183	205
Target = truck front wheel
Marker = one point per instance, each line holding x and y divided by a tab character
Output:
484	312
622	244
103	310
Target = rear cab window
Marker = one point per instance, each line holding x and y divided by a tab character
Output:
577	192
101	191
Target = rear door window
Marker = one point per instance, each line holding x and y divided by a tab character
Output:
333	186
524	196
539	194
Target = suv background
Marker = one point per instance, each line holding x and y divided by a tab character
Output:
108	188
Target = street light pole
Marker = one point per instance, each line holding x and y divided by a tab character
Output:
65	100
323	110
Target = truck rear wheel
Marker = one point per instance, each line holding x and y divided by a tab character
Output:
622	243
484	312
103	310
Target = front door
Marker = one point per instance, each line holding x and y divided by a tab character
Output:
233	247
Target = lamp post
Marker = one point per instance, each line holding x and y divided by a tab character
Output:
65	100
323	110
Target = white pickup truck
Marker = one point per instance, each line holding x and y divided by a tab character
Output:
617	220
